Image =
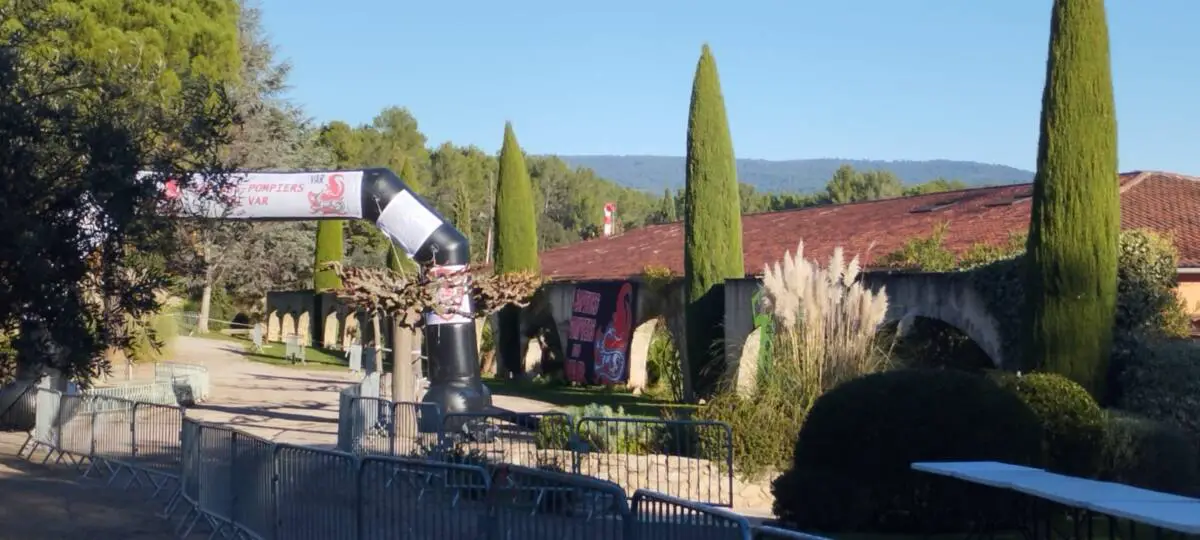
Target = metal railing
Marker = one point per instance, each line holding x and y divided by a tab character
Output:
239	485
111	439
683	458
162	392
17	404
189	382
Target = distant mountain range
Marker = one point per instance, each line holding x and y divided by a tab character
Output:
656	173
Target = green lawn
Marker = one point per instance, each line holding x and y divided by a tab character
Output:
553	393
578	396
273	353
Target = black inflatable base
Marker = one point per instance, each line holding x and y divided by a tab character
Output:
456	397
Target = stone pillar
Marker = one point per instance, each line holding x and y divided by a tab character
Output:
273	333
639	351
742	373
532	359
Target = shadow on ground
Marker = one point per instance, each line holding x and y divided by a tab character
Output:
50	502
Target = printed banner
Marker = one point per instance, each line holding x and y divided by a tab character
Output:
454	295
602	319
310	195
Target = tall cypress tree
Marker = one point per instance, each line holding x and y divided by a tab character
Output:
713	224
516	241
1075	223
329	249
666	209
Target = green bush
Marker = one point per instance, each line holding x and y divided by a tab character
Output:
1161	381
628	437
663	368
1072	422
764	431
153	338
851	469
1149	454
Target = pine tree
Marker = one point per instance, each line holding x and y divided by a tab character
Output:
1075	223
713	224
329	249
516	223
516	242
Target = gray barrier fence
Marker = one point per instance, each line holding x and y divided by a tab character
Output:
683	458
17	404
242	486
126	443
190	383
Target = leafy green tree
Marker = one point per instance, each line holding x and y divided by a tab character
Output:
1075	222
713	224
516	241
849	185
87	245
273	134
937	185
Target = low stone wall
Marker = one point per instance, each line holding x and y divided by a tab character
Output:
690	478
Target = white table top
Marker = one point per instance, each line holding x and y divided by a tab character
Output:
1166	510
957	468
1181	517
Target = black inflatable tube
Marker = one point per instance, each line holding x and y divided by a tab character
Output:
454	380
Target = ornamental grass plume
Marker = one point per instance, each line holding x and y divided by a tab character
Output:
826	322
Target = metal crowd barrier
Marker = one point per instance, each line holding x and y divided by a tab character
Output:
115	439
688	459
161	392
242	486
190	383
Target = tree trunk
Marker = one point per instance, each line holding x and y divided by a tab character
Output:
403	382
205	308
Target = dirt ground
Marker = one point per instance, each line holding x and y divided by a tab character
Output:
283	404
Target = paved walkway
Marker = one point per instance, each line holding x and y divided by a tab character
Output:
48	502
279	403
298	406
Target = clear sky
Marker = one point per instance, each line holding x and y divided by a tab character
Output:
872	79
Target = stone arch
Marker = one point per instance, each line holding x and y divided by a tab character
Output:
304	328
329	330
950	298
273	332
934	343
287	325
351	331
639	353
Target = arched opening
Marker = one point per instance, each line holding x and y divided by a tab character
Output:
933	343
241	321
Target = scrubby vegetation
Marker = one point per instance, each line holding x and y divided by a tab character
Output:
825	323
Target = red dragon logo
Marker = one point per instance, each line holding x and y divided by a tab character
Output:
331	199
611	346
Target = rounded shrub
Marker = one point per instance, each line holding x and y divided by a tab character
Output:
851	468
1148	454
1072	423
764	431
1161	382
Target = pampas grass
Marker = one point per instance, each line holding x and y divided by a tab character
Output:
825	324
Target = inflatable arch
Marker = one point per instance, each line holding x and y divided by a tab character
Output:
380	196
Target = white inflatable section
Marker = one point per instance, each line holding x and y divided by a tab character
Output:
408	222
307	195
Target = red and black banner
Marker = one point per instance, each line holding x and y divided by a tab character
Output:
601	330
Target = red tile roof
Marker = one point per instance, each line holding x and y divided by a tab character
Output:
1165	202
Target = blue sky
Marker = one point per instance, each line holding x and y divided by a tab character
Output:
875	79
